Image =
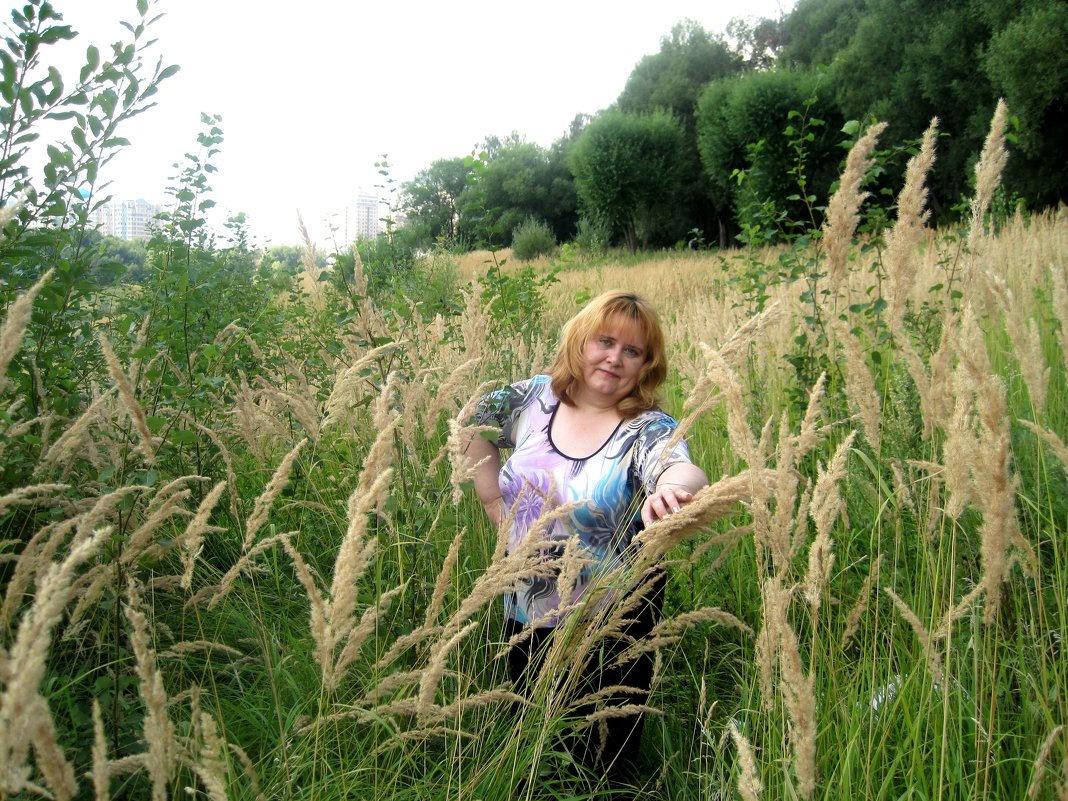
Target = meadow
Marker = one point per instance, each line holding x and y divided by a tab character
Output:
250	565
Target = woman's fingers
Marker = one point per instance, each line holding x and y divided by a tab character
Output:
664	502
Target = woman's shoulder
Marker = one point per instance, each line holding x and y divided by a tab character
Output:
652	420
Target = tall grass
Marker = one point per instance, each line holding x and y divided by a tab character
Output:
869	602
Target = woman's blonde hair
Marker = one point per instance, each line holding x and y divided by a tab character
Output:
596	317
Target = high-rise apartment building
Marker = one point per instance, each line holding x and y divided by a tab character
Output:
126	219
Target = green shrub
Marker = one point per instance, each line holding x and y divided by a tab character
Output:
532	238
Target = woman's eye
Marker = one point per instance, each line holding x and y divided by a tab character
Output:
632	352
605	341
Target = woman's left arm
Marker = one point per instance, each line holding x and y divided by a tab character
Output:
675	488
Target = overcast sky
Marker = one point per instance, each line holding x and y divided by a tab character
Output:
312	93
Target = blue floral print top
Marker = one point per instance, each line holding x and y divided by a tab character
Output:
613	482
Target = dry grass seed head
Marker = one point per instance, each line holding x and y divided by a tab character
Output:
263	503
129	401
852	624
906	236
158	730
749	785
843	209
988	173
15	322
934	661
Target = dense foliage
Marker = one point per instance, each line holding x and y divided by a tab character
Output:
832	61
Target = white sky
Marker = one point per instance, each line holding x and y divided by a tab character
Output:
312	93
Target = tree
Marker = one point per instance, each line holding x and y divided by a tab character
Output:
672	80
430	199
520	181
778	127
626	172
1027	63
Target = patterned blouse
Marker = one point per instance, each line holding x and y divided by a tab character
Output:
613	482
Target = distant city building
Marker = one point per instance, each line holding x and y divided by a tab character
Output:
126	219
363	219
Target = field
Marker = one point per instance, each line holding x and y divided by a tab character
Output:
250	565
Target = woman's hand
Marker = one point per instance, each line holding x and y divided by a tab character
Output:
674	489
666	500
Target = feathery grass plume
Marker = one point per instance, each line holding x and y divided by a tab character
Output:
453	387
216	592
932	381
461	433
961	449
797	689
139	541
158	729
988	175
1060	450
9	210
963	606
355	552
444	578
861	390
191	542
228	462
101	771
1039	769
1026	343
934	659
749	785
129	400
323	645
15	322
904	238
274	488
743	444
670	631
57	772
21	706
901	487
709	504
346	392
250	770
843	209
1059	279
358	635
70	443
827	505
210	762
309	278
303	406
435	670
33	494
852	624
996	486
812	434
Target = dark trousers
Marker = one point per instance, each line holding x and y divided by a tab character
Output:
610	750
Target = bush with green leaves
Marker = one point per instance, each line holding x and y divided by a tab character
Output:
532	238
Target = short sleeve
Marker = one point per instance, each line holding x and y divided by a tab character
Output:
504	408
655	452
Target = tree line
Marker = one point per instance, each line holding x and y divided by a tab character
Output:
720	137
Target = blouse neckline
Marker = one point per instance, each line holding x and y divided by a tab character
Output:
552	442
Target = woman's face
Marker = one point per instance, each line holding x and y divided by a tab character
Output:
612	360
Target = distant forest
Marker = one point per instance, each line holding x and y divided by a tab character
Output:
719	134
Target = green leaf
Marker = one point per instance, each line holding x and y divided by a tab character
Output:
851	128
78	135
92	61
142	7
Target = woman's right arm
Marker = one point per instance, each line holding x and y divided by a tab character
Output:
487	477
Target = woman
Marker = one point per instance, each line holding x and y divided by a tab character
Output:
589	431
